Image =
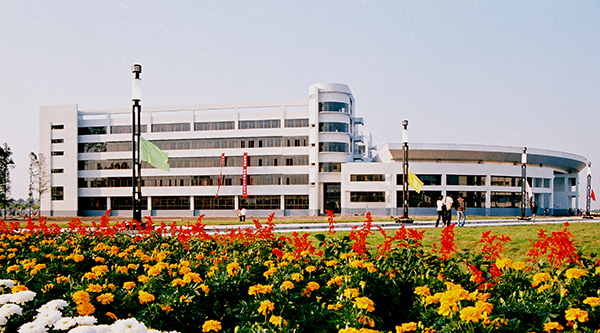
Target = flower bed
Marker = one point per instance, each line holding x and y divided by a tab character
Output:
181	278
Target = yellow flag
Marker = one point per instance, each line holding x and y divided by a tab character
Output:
414	181
150	153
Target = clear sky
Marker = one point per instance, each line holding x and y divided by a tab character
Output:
514	73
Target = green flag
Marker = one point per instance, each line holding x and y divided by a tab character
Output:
414	181
152	154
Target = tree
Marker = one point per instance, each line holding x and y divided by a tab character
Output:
39	181
6	163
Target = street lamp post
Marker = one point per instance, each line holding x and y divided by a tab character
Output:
136	96
588	203
523	184
404	218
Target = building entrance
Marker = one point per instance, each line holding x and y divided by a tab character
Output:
332	197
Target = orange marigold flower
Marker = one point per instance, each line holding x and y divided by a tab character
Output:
287	285
112	315
178	282
364	303
145	297
191	276
94	288
592	301
85	309
576	314
297	277
205	288
80	297
351	292
311	269
575	273
128	285
539	278
266	307
78	257
552	325
105	298
18	288
406	327
469	313
422	291
166	308
61	279
99	259
233	268
277	321
501	263
518	265
259	289
211	325
142	278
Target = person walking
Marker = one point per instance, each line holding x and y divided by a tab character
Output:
448	202
534	209
243	212
461	211
239	214
440	211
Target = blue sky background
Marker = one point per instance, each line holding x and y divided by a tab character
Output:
515	73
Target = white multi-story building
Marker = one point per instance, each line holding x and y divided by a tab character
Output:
303	158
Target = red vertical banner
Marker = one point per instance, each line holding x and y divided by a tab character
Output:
245	176
220	174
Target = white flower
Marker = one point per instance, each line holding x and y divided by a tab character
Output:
3	320
103	329
85	320
130	325
153	331
22	296
48	317
32	328
8	310
83	329
64	324
5	298
53	305
7	283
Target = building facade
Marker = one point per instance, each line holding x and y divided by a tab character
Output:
292	158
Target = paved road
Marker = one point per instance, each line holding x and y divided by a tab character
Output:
391	225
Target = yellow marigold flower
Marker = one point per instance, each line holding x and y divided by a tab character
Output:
112	315
61	279
191	276
154	270
268	263
406	327
483	297
277	321
166	308
184	298
539	278
259	289
576	314
205	288
287	285
575	273
90	275
364	303
128	285
469	313
145	297
94	288
184	269
422	291
178	282
47	288
99	259
142	278
49	256
484	307
552	325
122	269
346	255
543	287
348	330
297	277
351	293
518	265
85	309
357	263
12	268
367	321
266	307
433	299
312	286
311	269
233	268
330	263
105	298
334	307
110	286
210	274
78	258
81	296
270	272
370	267
131	266
592	301
37	268
335	280
211	325
501	263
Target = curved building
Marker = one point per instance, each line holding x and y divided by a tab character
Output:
291	157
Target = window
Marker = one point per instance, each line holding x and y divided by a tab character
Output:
296	122
340	147
92	203
267	123
57	127
559	184
58	171
333	107
125	203
57	153
330	167
214	126
263	202
367	178
212	203
367	196
58	193
57	141
176	127
537	182
125	129
423	199
465	180
505	181
333	127
170	203
546	182
296	201
472	199
91	130
505	199
94	147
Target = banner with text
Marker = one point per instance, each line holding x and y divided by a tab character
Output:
220	175
245	176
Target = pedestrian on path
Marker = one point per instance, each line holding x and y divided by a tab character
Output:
440	210
461	211
449	203
243	212
534	209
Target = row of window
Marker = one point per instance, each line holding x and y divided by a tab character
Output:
198	126
333	127
478	180
268	202
212	180
334	107
337	147
200	162
429	198
367	178
330	167
208	143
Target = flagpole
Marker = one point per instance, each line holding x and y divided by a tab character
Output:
523	184
136	96
588	214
